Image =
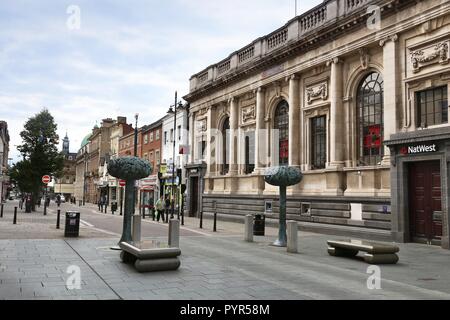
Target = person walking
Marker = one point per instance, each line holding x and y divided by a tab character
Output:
167	205
159	209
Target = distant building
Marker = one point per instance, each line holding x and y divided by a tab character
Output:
181	138
151	151
65	185
4	151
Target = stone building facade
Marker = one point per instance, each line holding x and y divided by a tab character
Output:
354	93
4	153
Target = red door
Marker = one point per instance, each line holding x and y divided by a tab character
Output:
425	202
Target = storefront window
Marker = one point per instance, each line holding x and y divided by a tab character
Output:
432	106
281	122
370	119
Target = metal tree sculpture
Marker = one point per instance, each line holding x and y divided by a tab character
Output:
283	177
129	169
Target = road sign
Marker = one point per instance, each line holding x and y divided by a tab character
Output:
122	183
46	179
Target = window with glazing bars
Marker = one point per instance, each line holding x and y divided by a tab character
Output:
432	106
226	146
281	122
370	119
249	152
319	142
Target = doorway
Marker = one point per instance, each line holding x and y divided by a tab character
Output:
425	202
193	210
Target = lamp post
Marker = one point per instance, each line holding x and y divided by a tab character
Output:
173	154
136	117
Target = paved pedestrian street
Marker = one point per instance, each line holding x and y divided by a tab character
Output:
219	266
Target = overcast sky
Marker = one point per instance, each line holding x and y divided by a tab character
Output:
126	57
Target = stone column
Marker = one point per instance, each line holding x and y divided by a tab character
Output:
390	79
191	137
336	115
234	126
211	151
260	142
294	121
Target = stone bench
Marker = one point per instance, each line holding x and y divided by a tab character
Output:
150	256
375	253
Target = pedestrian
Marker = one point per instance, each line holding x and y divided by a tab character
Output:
159	209
167	204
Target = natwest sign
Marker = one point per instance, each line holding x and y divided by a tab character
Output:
423	148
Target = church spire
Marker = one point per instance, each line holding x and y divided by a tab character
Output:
66	144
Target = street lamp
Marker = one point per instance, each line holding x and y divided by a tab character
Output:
177	105
136	117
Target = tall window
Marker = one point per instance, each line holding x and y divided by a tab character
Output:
226	146
165	137
179	132
281	122
318	142
370	119
249	152
432	106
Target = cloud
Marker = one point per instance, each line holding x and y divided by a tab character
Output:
127	57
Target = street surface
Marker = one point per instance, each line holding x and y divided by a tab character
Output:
213	265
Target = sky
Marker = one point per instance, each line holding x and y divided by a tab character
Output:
89	60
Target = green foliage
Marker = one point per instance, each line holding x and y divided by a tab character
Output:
40	153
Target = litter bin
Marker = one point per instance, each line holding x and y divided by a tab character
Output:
259	225
72	228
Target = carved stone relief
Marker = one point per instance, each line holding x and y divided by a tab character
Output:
436	53
315	92
248	113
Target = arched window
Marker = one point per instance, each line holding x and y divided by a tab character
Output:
226	146
281	122
370	119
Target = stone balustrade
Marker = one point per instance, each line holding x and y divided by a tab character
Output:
311	21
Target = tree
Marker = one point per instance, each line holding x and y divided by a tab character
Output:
40	155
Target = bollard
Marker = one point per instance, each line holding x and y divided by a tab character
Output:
136	228
182	217
174	233
143	213
58	218
45	208
15	215
248	236
1	211
201	219
292	237
215	222
153	214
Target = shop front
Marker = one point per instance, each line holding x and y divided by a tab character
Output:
420	186
148	189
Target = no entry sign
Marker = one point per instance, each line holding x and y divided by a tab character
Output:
122	183
46	179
